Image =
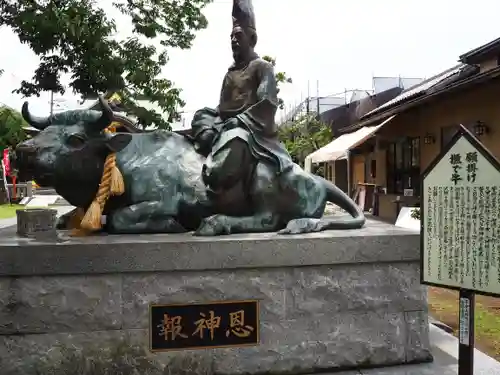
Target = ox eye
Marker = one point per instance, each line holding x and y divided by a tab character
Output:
76	141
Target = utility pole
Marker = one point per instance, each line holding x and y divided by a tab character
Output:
307	108
317	96
308	97
51	103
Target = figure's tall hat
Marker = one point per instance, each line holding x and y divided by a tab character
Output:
243	15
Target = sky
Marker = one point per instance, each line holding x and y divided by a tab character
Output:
325	46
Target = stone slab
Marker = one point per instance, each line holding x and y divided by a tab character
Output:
7	223
42	201
21	354
444	348
331	300
422	369
376	242
290	298
313	317
70	304
7	226
405	220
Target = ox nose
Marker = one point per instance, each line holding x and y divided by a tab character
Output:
25	157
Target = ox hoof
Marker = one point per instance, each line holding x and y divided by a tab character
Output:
215	225
299	226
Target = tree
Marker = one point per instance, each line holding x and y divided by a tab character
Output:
76	37
11	127
304	136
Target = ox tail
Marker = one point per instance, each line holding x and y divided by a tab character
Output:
337	197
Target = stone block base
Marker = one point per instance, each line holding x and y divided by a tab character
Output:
332	301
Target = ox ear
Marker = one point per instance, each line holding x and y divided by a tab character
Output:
118	142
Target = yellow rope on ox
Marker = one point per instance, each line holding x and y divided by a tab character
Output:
74	223
111	184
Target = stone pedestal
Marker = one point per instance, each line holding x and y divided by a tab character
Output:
331	300
33	221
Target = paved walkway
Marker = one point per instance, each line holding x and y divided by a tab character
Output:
445	352
61	210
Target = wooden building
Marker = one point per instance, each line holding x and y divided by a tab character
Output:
407	133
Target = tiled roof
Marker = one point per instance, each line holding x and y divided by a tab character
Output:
417	89
348	114
480	51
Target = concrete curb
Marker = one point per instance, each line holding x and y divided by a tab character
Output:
441	325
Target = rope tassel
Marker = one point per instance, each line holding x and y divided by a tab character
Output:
111	184
117	184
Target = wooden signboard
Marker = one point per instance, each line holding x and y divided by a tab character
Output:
460	234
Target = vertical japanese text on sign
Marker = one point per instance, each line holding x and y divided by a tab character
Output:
460	238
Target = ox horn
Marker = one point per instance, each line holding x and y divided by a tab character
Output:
107	115
39	123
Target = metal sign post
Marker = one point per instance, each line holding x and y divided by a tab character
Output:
460	230
466	333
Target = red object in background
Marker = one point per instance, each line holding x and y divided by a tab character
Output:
6	162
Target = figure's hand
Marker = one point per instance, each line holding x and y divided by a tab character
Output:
206	137
203	143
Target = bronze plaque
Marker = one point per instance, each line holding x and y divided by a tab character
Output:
202	326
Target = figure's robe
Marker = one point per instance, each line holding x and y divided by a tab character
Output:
249	94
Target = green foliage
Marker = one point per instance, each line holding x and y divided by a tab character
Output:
11	127
77	38
304	136
281	77
415	213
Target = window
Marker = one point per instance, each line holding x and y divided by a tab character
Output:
403	166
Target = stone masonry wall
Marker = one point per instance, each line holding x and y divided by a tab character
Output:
312	317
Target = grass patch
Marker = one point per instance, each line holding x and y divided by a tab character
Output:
443	304
488	330
9	210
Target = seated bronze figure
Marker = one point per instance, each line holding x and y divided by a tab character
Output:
232	175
